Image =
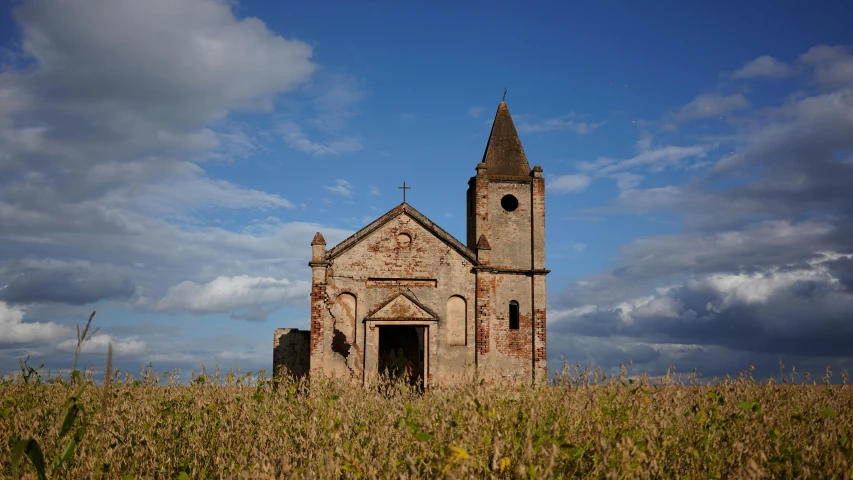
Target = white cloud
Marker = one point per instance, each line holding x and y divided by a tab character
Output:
578	247
627	181
778	299
194	54
833	66
764	66
298	140
341	187
643	200
100	343
336	96
562	123
653	307
555	316
760	287
655	160
373	190
710	105
17	332
224	294
178	196
476	111
116	110
569	183
340	93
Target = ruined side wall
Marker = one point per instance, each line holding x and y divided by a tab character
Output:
291	352
371	270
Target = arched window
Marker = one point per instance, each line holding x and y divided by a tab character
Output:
345	316
456	320
513	315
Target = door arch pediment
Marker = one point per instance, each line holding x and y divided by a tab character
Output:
402	307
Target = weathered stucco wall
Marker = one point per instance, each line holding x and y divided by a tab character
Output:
401	256
510	231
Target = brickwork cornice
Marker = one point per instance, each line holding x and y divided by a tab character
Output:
516	271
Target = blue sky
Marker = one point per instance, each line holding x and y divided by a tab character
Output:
166	163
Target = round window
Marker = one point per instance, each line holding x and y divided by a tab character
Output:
509	202
404	239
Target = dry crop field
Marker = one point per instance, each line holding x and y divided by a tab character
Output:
585	425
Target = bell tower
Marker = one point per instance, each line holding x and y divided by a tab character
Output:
506	227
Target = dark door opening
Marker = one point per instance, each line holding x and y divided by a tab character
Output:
401	352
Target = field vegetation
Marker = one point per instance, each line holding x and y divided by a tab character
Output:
583	425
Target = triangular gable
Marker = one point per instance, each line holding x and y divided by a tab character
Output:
402	307
401	209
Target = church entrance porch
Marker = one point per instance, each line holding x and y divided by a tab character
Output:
401	353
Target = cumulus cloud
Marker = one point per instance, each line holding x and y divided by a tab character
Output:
569	183
113	117
762	268
710	105
99	344
110	115
224	294
16	332
833	65
764	66
787	311
341	187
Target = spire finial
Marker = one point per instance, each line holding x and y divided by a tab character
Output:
504	97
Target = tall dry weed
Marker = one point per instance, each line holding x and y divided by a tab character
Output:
585	425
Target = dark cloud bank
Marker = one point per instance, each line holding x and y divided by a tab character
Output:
763	270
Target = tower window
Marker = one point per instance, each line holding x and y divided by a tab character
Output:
509	203
513	315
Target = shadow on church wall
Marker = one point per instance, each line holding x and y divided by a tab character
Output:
291	352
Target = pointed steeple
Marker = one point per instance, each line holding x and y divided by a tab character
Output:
504	155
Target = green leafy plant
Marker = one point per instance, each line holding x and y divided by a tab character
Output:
74	424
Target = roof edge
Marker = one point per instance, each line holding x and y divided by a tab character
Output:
423	220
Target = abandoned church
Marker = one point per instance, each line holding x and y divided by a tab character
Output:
402	296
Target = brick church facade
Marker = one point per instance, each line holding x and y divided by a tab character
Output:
402	296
